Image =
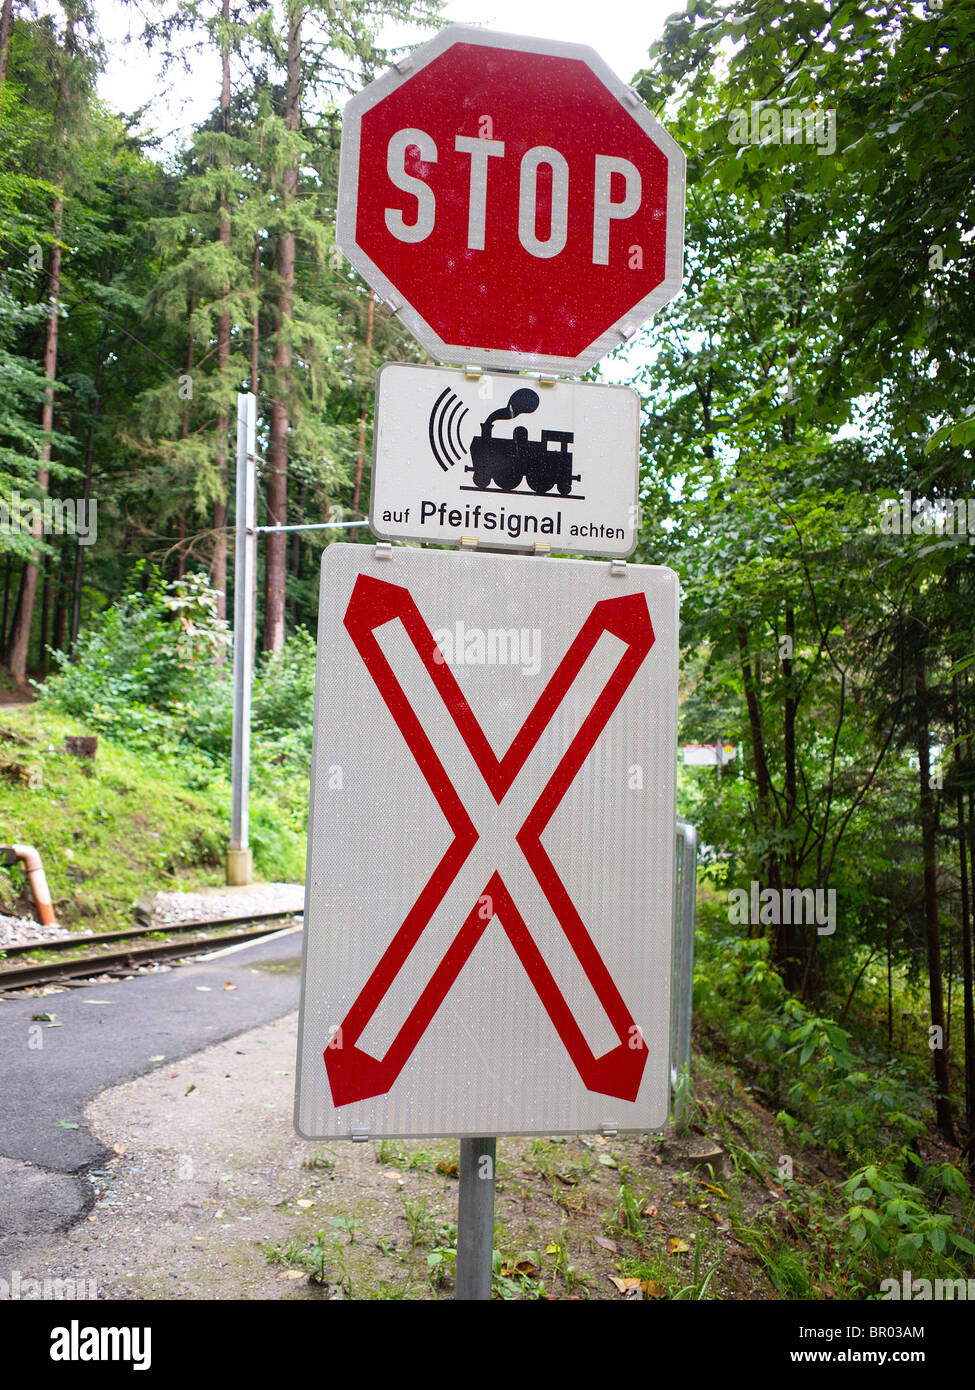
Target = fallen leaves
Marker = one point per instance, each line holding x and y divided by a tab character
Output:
632	1286
712	1187
676	1246
714	1216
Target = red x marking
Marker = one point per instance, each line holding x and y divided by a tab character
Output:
354	1074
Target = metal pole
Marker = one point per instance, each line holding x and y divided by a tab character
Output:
313	526
239	857
689	887
475	1219
686	903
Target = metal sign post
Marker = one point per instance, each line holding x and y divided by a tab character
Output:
240	863
685	904
475	1219
239	857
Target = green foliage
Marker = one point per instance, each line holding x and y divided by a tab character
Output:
81	813
516	1276
152	672
785	1268
862	1106
889	1217
628	1209
284	696
830	1094
697	1289
139	664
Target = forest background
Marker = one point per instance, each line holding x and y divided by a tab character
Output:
807	469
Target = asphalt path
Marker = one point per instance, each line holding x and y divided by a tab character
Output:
103	1034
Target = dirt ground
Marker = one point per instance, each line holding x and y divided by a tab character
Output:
211	1195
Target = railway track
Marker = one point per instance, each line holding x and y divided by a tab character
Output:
209	933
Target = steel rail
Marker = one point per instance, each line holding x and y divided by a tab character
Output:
23	976
67	943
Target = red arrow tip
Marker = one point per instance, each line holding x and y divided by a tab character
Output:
354	1075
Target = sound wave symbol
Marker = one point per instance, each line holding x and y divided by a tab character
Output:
445	421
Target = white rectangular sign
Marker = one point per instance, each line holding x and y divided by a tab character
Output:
489	901
709	754
504	460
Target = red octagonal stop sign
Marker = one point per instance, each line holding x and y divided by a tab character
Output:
512	200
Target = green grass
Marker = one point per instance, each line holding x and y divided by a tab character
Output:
319	1158
128	825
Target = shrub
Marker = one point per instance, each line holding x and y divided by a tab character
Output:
139	663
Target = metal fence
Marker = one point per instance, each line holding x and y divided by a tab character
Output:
682	971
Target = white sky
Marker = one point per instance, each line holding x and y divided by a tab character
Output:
621	31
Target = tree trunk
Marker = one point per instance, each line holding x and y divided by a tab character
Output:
890	987
277	483
61	602
20	638
13	620
968	983
79	559
255	378
932	925
792	937
218	566
23	622
256	321
185	434
6	24
45	621
6	601
763	781
361	455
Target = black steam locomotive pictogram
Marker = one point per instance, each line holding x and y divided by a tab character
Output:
542	464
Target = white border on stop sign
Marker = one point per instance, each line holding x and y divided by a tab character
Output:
345	225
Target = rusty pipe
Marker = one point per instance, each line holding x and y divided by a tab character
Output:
40	892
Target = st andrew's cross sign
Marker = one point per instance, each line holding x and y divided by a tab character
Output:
491	847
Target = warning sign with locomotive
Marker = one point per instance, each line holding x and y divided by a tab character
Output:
502	460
